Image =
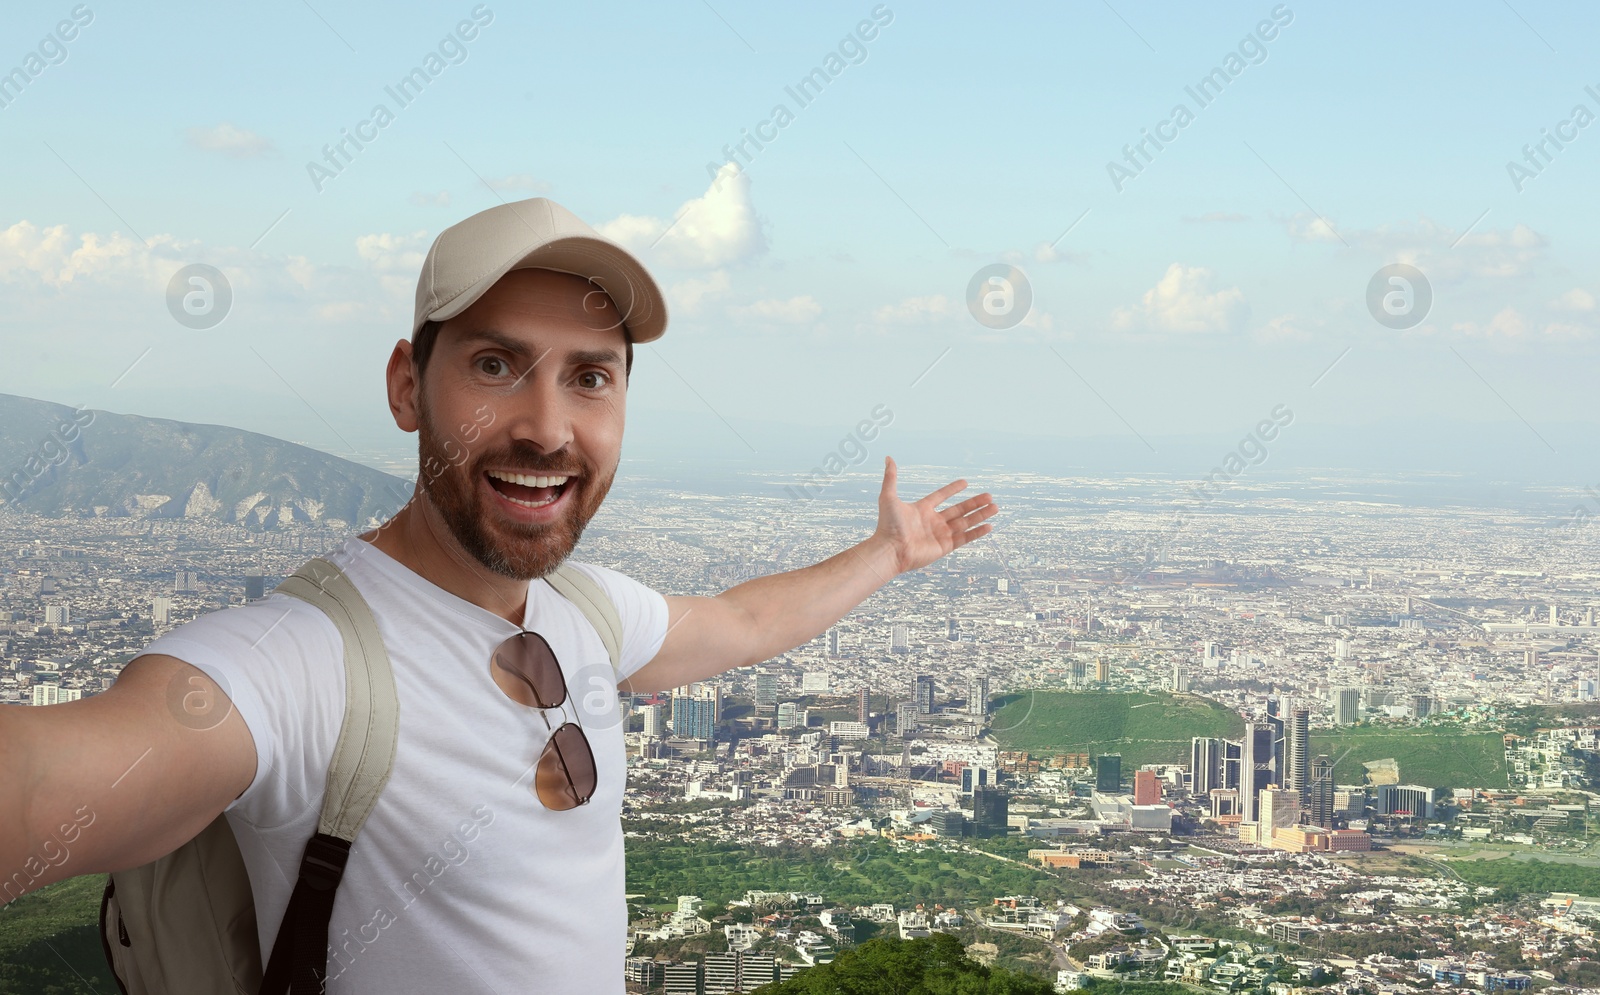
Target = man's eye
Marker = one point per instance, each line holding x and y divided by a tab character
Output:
494	366
600	380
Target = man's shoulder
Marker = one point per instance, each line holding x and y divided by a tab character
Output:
272	623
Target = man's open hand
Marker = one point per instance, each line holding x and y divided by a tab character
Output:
920	532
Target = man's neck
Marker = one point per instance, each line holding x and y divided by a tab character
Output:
421	542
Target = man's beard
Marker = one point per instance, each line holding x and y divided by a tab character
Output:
516	550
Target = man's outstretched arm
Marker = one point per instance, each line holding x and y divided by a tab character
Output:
761	618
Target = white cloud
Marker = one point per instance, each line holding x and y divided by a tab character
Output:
231	141
686	296
396	259
916	309
1576	299
1184	302
1442	253
708	232
518	181
1509	324
794	311
55	258
1288	328
440	199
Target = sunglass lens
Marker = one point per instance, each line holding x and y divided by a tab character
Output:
565	777
525	668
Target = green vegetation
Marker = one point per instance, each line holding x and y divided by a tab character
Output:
1144	728
1432	757
50	941
863	872
1523	720
931	965
1512	878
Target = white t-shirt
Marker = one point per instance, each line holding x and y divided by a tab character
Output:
461	880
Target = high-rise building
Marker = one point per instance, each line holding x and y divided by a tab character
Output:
952	630
756	970
1346	706
1080	672
1108	772
766	693
1319	793
978	696
1146	788
989	813
863	704
1405	799
973	778
655	720
1421	706
1180	677
1297	749
899	639
1232	762
786	714
682	979
1254	762
691	718
833	641
255	585
1205	765
1102	671
1003	585
58	614
51	693
923	694
1279	808
905	718
815	682
721	972
185	582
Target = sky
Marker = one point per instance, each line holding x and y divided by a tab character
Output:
1176	293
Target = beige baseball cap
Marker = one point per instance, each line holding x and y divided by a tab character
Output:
468	257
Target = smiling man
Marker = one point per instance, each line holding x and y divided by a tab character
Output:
493	858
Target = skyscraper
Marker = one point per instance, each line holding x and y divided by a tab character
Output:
1346	706
1080	672
1108	773
1319	793
691	718
766	693
978	696
905	718
1297	750
655	721
989	806
1146	788
1279	808
923	694
952	630
863	704
160	610
1102	671
1205	765
899	639
255	585
1180	677
833	641
1421	706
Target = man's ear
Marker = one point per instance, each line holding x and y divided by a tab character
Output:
403	387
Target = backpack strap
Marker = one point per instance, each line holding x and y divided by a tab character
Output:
361	763
580	589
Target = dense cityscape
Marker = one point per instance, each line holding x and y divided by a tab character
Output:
1286	745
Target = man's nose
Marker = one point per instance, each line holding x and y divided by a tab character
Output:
541	415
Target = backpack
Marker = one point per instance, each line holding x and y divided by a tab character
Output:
186	923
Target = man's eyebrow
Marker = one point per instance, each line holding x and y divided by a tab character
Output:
522	349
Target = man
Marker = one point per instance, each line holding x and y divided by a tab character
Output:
481	867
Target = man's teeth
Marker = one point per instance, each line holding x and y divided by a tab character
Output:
527	481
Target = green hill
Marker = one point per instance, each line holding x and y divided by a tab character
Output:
50	941
1144	728
1435	758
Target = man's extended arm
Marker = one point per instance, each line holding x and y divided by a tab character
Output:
761	618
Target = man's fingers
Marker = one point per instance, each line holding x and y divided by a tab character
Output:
889	476
953	487
970	505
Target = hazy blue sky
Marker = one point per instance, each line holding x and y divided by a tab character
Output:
824	279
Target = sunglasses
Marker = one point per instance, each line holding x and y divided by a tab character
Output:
525	668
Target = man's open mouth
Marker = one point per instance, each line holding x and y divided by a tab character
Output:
528	490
